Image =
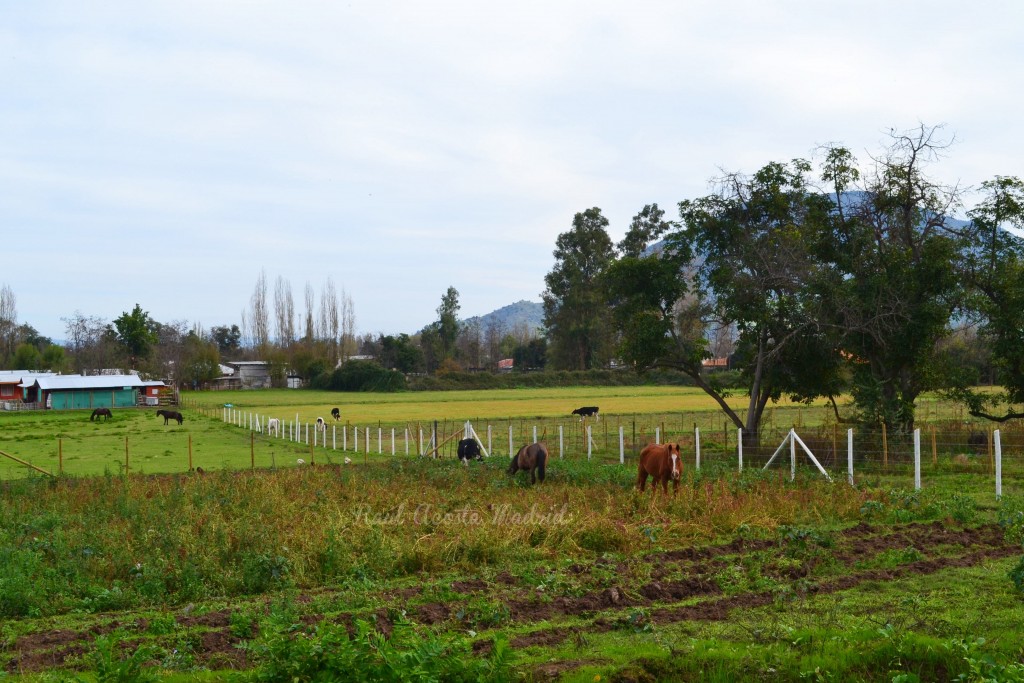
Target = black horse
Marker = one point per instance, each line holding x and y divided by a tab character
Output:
530	459
335	413
170	415
101	412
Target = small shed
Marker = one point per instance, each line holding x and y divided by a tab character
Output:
252	374
68	392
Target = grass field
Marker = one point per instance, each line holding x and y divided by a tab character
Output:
407	568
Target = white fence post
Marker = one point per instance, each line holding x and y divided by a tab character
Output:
534	433
307	433
849	455
792	456
657	435
392	441
559	442
739	446
696	444
622	445
917	459
367	440
355	439
380	437
589	442
334	437
489	449
999	464
510	451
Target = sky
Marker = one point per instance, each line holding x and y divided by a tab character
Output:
167	153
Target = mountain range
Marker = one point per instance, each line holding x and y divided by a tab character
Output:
508	318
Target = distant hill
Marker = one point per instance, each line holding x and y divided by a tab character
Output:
529	313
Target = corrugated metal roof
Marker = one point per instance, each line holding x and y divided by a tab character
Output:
75	382
8	376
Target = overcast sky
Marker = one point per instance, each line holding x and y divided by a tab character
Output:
163	153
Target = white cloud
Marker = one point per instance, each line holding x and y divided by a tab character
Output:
385	144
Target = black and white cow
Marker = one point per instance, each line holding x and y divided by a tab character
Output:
585	411
469	449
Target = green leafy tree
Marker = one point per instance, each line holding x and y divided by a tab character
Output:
740	259
400	353
26	357
886	276
136	334
532	355
227	339
993	266
575	302
448	322
647	226
54	358
200	360
438	340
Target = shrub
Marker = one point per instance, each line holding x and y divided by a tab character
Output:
360	375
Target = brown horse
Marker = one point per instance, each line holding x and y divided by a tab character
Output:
530	459
101	412
663	462
170	415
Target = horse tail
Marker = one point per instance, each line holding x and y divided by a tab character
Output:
542	458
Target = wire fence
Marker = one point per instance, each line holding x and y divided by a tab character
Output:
707	442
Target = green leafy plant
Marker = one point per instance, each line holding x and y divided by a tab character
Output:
111	667
985	667
1017	575
330	653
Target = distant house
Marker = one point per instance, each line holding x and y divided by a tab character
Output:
506	365
250	374
12	389
714	364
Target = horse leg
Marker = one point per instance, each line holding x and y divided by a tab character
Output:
641	479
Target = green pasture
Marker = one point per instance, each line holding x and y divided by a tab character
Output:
424	406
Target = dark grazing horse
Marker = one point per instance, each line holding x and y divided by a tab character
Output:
170	415
101	412
469	449
663	462
530	459
335	413
585	411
